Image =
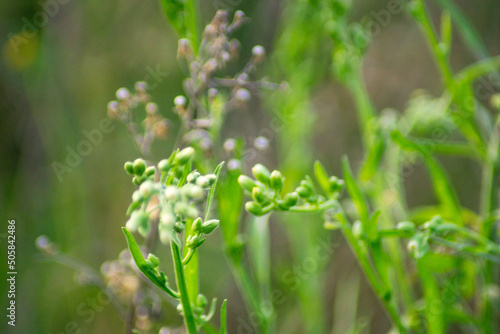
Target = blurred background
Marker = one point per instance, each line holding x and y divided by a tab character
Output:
59	70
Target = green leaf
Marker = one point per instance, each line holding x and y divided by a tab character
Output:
157	278
322	177
223	318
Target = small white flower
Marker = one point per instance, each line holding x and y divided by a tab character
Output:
122	94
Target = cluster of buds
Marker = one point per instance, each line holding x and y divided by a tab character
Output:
175	196
266	193
208	96
125	107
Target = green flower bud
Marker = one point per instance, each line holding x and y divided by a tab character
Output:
246	183
139	167
407	227
203	181
150	170
192	191
129	167
178	227
253	208
291	199
336	184
184	156
146	188
211	179
210	225
196	227
154	260
303	192
258	195
194	241
283	205
261	173
164	165
201	301
277	180
191	178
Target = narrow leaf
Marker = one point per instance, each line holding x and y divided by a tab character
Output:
223	318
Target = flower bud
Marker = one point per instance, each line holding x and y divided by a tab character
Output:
243	95
261	173
259	53
303	192
194	241
197	225
211	179
336	185
203	181
192	191
150	171
146	189
129	167
201	301
164	165
277	180
154	260
180	101
407	227
291	199
261	143
210	225
258	195
139	167
122	94
184	156
191	178
246	183
178	227
253	208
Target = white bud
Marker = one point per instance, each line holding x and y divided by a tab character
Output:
243	95
171	193
258	51
261	143
122	94
180	101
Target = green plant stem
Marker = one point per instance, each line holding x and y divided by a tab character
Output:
250	295
370	273
190	263
183	290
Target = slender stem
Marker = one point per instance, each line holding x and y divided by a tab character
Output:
181	286
251	297
371	275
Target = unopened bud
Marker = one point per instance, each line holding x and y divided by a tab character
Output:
253	208
246	183
277	180
210	225
261	173
139	167
184	156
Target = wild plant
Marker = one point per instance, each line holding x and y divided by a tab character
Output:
433	269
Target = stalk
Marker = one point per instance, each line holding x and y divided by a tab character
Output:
370	273
183	290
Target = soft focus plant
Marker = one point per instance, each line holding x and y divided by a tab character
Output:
410	257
